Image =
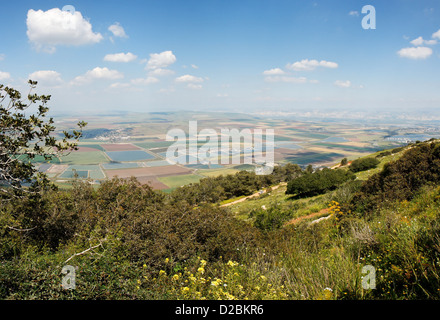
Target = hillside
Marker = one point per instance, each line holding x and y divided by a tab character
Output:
128	241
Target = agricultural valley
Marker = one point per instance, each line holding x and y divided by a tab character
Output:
125	145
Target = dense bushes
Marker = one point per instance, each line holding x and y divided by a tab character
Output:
400	180
271	218
363	164
130	242
243	183
123	223
318	182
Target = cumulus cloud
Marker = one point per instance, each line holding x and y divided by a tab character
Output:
415	53
144	81
309	65
343	84
134	82
274	71
160	72
120	57
192	82
98	73
161	60
51	28
436	34
189	78
4	75
46	77
117	30
419	41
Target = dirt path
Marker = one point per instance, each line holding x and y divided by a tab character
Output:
312	215
256	194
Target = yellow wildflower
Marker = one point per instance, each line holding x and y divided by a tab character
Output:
232	263
216	282
185	290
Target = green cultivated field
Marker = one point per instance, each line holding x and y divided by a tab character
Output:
176	181
84	158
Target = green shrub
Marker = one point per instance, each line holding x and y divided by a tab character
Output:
318	182
363	164
401	179
271	218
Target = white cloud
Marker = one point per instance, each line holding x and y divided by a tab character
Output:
189	78
4	75
117	30
354	13
436	34
308	65
343	84
2	56
98	73
285	79
161	60
419	41
144	81
415	53
193	82
274	71
194	66
46	77
120	57
48	29
160	72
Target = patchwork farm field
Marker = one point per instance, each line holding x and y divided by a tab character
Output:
135	145
129	155
176	181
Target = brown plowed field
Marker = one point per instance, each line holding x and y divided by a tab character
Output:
153	182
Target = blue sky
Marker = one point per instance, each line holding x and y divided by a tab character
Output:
229	55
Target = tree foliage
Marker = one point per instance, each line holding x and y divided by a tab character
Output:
23	138
364	164
243	183
318	182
